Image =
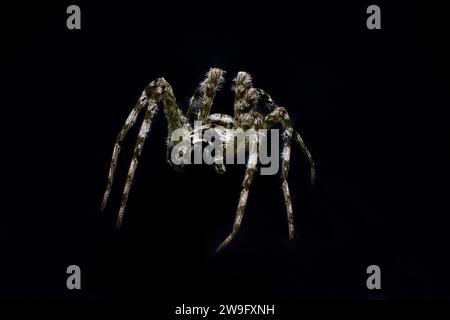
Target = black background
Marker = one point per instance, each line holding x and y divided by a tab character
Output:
372	106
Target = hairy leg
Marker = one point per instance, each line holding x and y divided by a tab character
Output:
308	156
203	96
129	122
194	103
248	178
145	129
280	115
242	83
209	87
158	90
285	161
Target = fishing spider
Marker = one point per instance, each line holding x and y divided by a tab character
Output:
245	116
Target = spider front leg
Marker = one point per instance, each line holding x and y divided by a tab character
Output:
143	133
246	184
158	90
131	120
203	96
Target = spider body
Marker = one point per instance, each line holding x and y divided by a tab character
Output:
246	116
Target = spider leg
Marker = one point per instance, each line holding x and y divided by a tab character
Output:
158	90
286	153
297	137
143	133
209	87
203	97
280	115
248	178
194	103
285	161
242	83
129	122
308	156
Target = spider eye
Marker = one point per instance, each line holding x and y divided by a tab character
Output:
180	153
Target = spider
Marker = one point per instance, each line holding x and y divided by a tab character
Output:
245	116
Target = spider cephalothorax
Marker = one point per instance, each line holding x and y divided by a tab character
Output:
245	117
